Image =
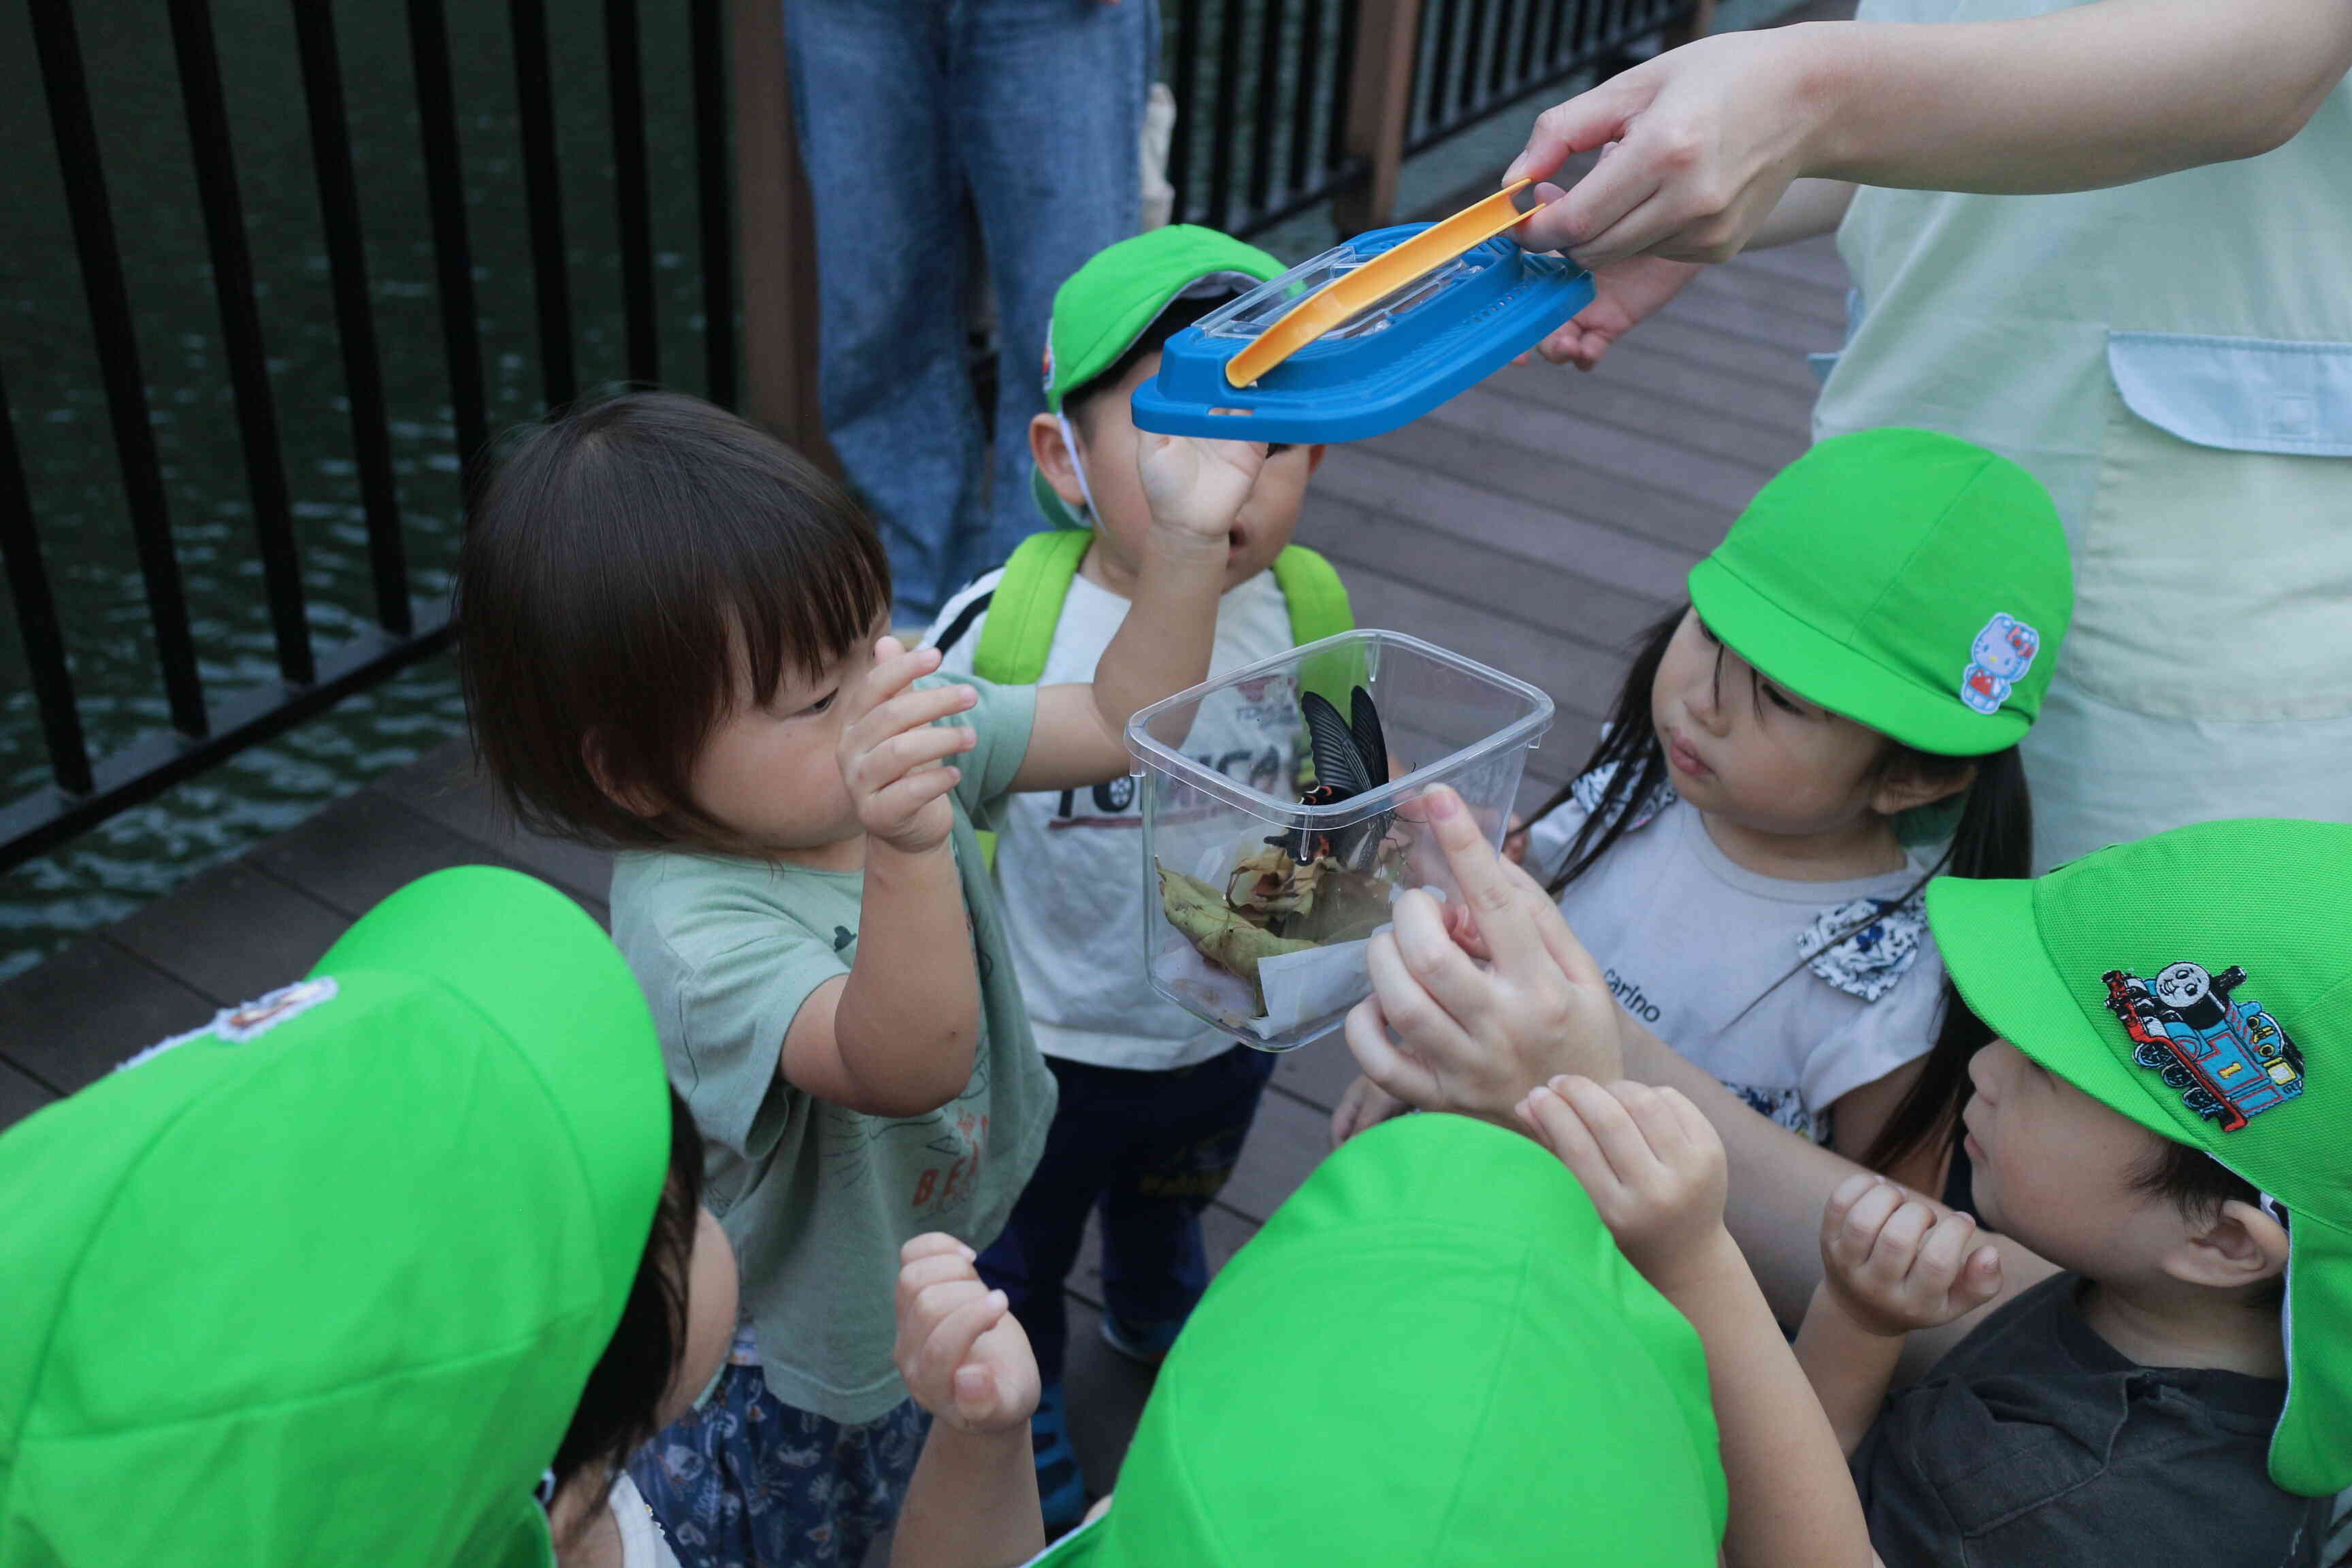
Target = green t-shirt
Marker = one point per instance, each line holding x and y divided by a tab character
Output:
817	1198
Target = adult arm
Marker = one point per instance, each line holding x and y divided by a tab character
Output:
1627	293
1444	1031
1708	136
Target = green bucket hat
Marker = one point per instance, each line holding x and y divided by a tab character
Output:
322	1281
1433	1354
1110	301
1915	583
2200	983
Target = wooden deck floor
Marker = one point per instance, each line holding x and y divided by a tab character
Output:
1535	523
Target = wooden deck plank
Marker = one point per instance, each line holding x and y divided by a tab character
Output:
447	787
280	933
1540	593
1562	515
20	1095
70	1021
1665	416
1710	479
369	845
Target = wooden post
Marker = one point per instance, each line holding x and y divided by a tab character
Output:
1379	100
776	240
1696	23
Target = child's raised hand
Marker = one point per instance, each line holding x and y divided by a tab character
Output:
1366	1104
962	1352
1894	1261
892	750
1197	487
1650	1162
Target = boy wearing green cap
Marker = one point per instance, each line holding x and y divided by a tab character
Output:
2164	1114
1153	1107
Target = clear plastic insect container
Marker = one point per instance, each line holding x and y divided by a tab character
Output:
1282	817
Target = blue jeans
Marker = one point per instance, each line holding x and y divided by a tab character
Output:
1150	1149
748	1481
1036	106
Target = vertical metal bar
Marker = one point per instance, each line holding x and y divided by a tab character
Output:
708	48
453	254
1531	22
1433	116
630	198
783	389
1343	85
1557	30
1474	48
37	618
1310	83
1188	109
338	213
117	354
248	359
1224	128
543	194
1272	15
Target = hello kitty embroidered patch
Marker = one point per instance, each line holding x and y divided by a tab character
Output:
1998	660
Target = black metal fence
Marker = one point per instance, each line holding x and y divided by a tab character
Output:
202	732
1273	119
1268	121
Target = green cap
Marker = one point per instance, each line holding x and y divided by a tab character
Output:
1433	1354
1110	301
1915	583
322	1281
2200	983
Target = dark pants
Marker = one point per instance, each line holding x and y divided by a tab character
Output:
1150	1149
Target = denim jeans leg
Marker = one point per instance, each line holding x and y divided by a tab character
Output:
1049	97
869	100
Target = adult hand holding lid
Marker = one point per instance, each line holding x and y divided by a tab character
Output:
1367	336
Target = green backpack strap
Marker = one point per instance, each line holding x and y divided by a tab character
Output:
1026	607
1318	599
1022	612
1318	609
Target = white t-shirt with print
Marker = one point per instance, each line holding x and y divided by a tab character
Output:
643	1545
1070	863
1688	938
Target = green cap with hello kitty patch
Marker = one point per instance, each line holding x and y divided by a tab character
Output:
1913	582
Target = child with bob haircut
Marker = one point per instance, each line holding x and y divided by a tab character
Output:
2163	1114
675	642
1856	665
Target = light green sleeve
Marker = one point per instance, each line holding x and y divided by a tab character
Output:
725	986
1003	717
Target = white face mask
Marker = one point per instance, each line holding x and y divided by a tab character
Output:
1070	440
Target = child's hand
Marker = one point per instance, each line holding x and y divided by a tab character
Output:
962	1353
1515	841
1650	1162
1893	1262
1366	1104
1197	487
891	748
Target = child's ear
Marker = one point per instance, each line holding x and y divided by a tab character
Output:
1054	460
1905	788
634	799
2239	1245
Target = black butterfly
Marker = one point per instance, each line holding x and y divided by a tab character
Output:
1351	756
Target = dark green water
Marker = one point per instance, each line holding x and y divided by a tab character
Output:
49	362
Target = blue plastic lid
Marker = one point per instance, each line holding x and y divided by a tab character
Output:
1384	366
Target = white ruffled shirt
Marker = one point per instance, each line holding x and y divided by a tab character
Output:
1688	939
